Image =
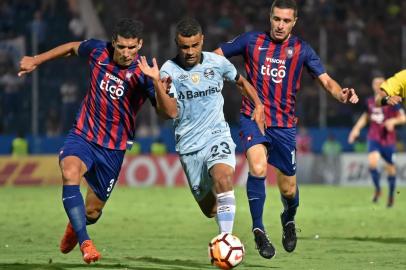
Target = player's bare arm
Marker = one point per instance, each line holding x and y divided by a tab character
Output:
30	63
344	95
400	119
382	99
166	106
249	91
361	123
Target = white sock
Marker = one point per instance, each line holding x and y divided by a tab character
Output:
225	211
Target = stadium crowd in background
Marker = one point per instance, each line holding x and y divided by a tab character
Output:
366	42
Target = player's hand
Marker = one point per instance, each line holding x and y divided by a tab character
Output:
167	83
390	124
348	95
258	115
394	100
353	136
152	72
27	65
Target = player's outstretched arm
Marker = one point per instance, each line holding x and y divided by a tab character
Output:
382	99
361	123
249	91
30	63
166	106
344	95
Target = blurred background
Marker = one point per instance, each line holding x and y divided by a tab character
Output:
356	41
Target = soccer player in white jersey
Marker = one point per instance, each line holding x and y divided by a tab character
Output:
203	138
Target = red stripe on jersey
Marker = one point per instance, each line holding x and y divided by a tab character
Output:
289	99
266	85
103	101
246	105
278	87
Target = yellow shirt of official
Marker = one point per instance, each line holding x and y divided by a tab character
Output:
396	85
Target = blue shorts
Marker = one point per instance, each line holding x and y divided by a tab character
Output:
280	143
386	151
103	164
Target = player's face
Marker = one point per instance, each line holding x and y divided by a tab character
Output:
125	50
376	84
190	49
282	22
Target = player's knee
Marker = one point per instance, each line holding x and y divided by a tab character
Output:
93	213
71	174
258	170
288	191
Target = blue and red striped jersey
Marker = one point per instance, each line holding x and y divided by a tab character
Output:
275	70
377	116
115	95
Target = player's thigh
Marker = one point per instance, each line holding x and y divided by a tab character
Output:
286	184
195	167
94	205
282	152
75	158
72	168
257	160
373	159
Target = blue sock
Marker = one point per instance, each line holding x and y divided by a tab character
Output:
75	209
392	185
290	205
375	179
256	199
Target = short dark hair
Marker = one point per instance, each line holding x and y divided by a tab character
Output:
285	4
128	28
188	27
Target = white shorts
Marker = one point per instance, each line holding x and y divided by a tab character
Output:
197	164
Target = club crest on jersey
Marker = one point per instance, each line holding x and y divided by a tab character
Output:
209	73
289	52
128	75
195	78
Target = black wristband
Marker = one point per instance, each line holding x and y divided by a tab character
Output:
384	100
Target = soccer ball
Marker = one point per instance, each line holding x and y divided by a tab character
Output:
226	251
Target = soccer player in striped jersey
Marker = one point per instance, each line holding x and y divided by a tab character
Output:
274	61
381	138
95	146
203	139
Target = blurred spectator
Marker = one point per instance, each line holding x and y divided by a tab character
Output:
77	27
53	126
69	94
135	149
158	148
331	150
303	141
19	145
360	146
38	27
10	85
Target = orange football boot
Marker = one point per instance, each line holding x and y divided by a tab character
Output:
89	251
69	240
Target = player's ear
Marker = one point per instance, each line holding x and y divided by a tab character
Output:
140	42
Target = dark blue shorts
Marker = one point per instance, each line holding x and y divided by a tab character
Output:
103	164
280	142
386	151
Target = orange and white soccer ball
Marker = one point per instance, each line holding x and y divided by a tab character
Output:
226	251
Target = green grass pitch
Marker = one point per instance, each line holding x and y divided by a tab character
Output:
163	228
